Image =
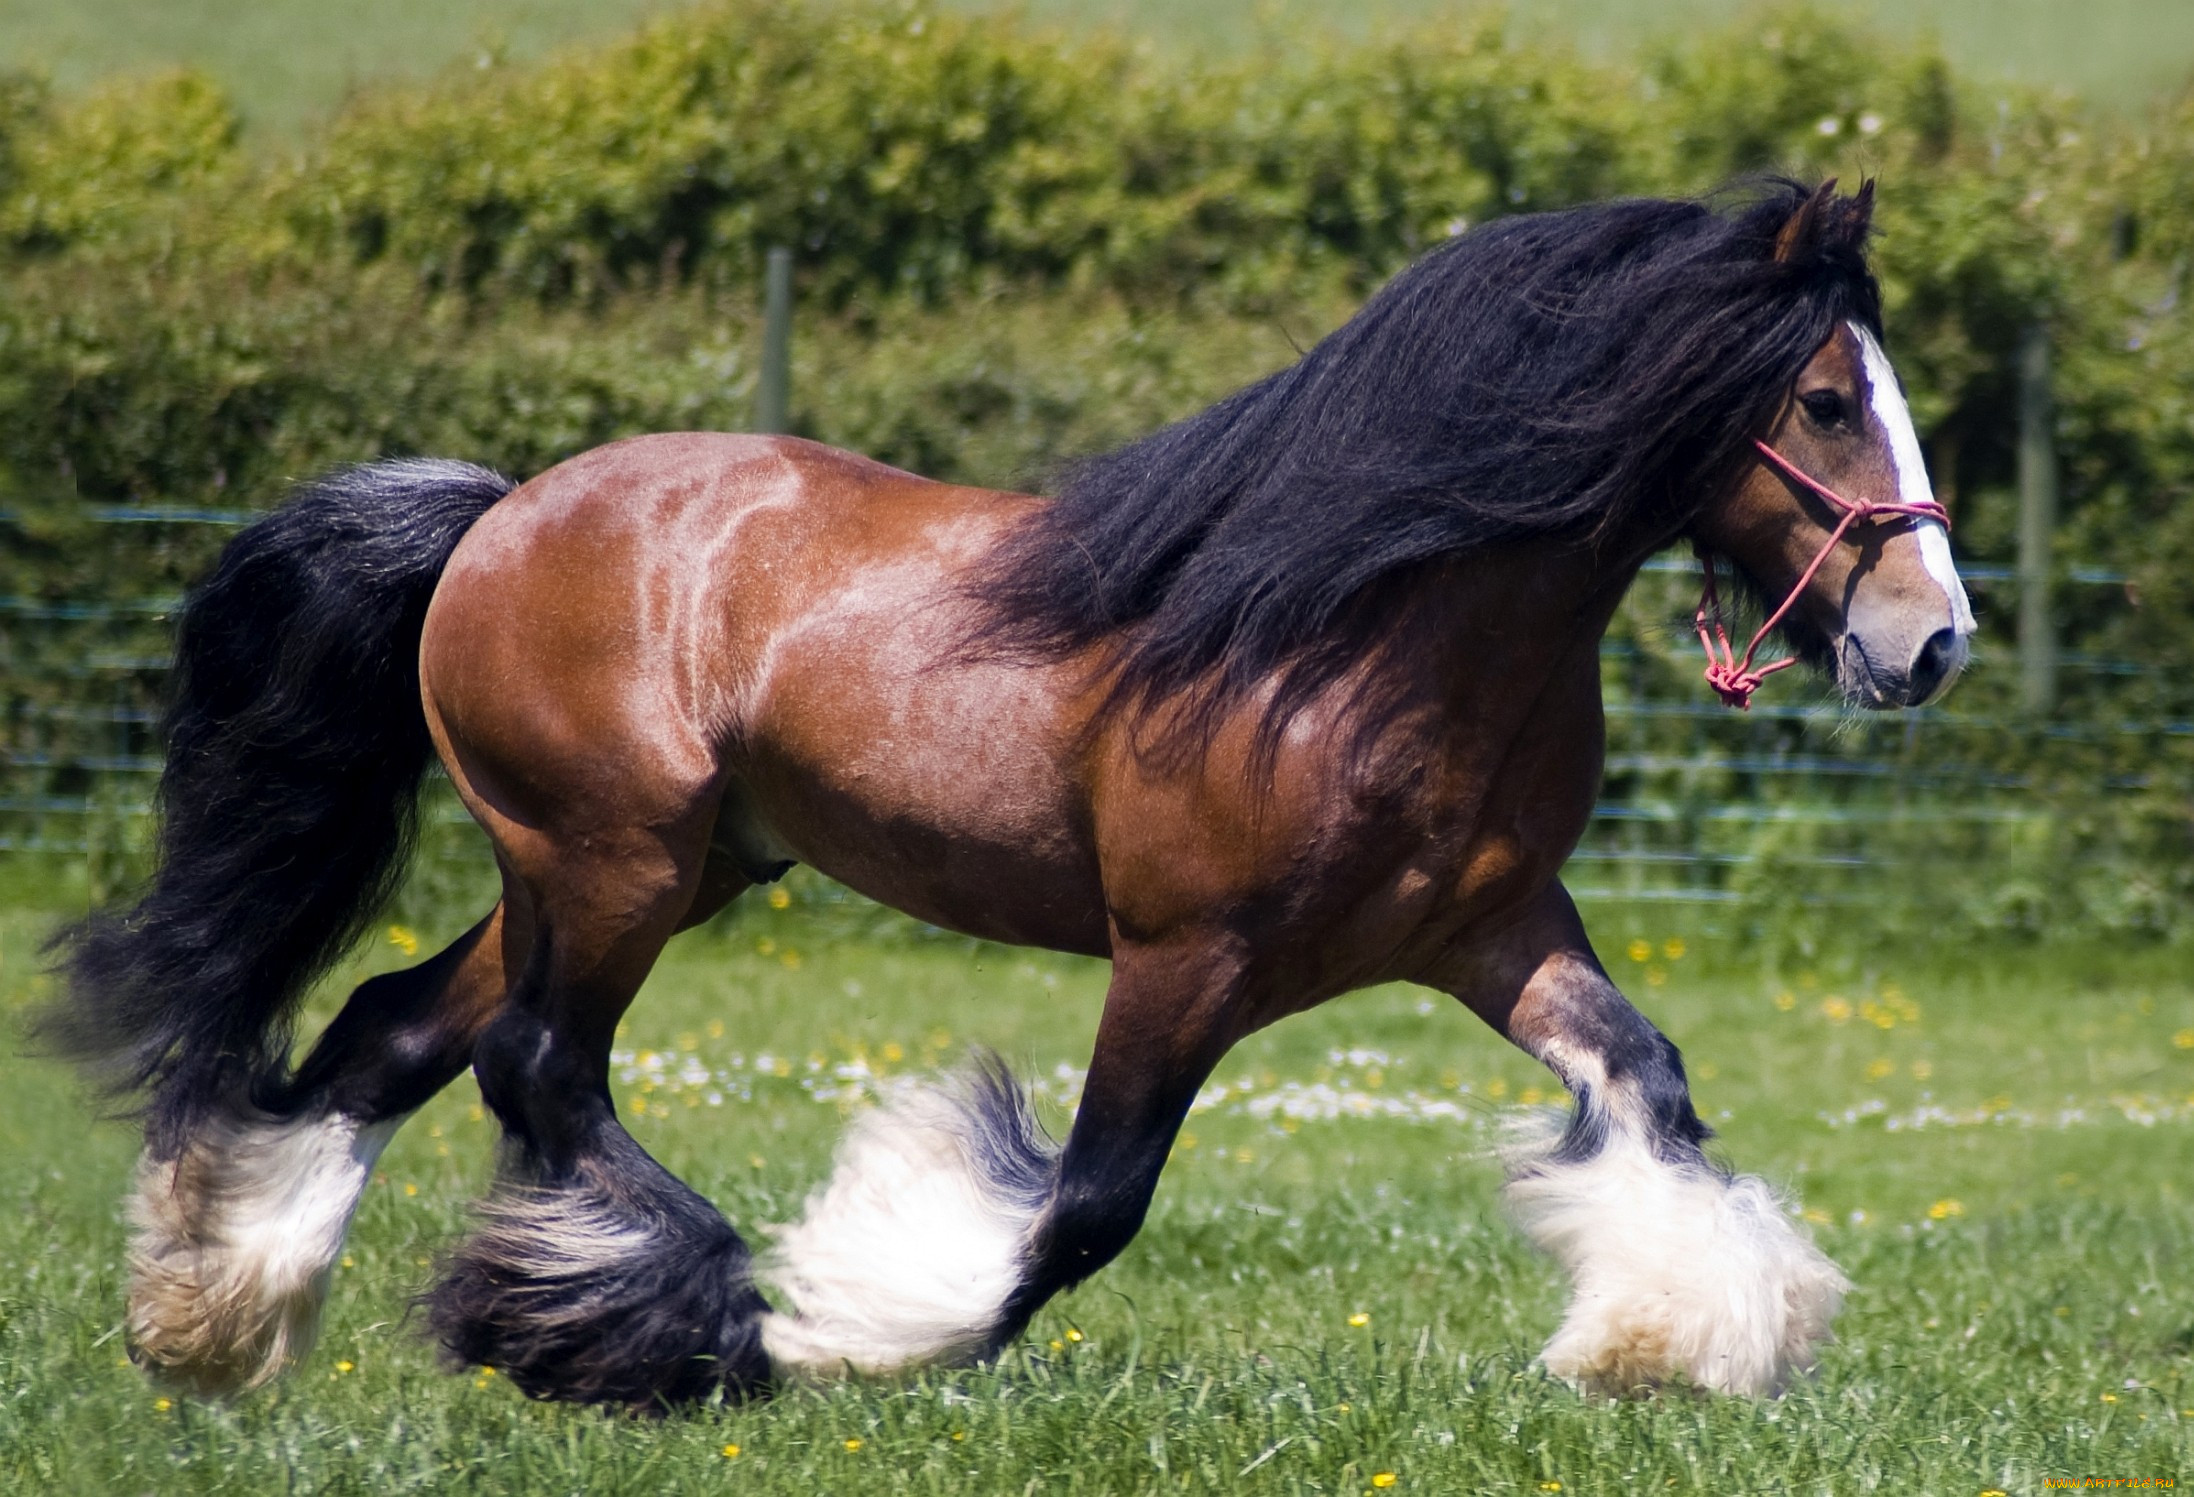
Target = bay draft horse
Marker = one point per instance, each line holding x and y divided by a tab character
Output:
1297	696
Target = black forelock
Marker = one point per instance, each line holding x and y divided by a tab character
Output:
1583	374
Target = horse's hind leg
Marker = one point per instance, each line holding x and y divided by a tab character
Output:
1680	1270
594	1274
237	1231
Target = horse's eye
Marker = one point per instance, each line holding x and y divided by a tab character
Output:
1826	407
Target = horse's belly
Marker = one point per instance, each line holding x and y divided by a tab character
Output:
1005	872
944	790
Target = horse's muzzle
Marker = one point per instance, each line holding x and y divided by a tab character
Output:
1872	678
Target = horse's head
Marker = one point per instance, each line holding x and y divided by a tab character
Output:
1880	604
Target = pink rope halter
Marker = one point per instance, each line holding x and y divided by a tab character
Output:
1735	680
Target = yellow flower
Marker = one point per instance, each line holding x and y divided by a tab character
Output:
1360	1318
2184	1039
1496	1089
1073	1334
404	940
345	1366
959	1434
731	1452
1641	951
1944	1209
2110	1398
1057	1344
893	1052
854	1443
1384	1479
765	947
1879	1067
791	959
1656	976
1786	1001
1922	1069
1837	1010
1530	1096
162	1405
780	899
348	1262
410	1189
1550	1486
1673	948
1817	1216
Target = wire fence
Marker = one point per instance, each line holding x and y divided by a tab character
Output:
1698	802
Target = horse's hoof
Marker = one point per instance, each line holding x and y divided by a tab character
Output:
235	1238
1683	1275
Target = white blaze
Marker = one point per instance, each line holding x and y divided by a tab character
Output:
1886	397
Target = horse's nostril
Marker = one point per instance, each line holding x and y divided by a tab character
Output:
1936	660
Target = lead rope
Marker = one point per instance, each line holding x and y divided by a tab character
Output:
1735	680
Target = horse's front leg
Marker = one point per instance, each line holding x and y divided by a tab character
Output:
1680	1270
1170	1014
949	1220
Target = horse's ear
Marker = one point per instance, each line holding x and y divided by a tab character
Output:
1803	228
1862	209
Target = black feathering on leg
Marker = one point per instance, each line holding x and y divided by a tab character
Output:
617	1285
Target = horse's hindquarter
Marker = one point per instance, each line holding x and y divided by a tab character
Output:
676	619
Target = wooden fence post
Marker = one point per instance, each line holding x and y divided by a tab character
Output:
773	389
2037	523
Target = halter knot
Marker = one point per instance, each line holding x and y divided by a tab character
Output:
1734	679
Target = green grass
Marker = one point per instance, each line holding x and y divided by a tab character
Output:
289	61
2040	1326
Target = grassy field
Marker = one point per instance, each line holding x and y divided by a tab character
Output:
1996	1149
289	60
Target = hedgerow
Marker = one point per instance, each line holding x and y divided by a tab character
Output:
1014	248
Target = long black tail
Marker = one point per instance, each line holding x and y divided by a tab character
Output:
295	751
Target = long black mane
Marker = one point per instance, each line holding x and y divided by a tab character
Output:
1592	373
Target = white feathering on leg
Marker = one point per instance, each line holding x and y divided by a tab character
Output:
1676	1271
234	1241
911	1249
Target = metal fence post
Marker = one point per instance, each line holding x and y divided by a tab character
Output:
2037	523
773	390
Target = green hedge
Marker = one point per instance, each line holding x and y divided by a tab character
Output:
1013	249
